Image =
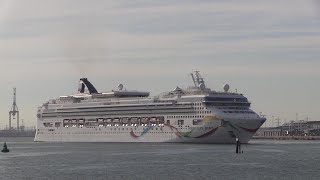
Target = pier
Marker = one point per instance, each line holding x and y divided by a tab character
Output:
288	137
295	130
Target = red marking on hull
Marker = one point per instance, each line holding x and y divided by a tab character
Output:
207	134
249	130
175	130
133	135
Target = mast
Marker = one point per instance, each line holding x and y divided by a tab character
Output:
193	79
198	80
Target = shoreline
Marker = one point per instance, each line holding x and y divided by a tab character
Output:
308	138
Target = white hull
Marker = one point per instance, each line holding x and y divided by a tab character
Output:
193	115
209	133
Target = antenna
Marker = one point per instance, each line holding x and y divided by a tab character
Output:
199	78
14	112
22	127
278	122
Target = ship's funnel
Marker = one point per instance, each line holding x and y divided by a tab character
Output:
84	82
82	87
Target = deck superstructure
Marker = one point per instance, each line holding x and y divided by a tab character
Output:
196	114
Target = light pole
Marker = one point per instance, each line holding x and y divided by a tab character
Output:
272	121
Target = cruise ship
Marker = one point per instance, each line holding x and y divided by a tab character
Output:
195	114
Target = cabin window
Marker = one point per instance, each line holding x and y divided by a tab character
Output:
180	122
197	122
48	124
168	122
57	124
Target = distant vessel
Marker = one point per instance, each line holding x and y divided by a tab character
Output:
193	115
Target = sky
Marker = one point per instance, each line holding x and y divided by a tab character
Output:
269	50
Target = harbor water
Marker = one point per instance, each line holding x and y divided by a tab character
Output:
262	159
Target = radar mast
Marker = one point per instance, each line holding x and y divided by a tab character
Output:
198	80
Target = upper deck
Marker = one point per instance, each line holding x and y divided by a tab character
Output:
88	96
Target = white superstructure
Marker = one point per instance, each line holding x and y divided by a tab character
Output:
195	115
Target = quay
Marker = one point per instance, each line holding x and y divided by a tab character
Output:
288	137
295	130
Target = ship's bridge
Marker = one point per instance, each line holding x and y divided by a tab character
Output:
227	101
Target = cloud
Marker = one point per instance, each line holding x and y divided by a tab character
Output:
44	41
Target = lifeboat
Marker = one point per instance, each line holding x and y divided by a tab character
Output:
66	121
116	120
160	120
134	120
92	120
109	120
153	120
144	120
125	120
